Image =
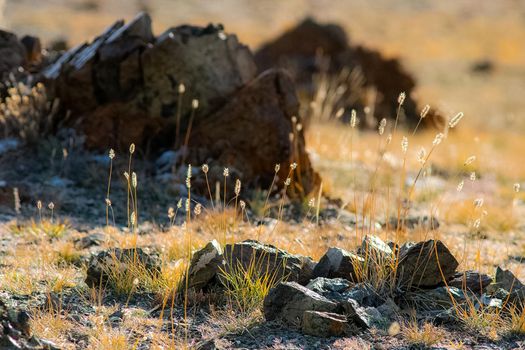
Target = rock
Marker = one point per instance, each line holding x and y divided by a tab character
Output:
269	260
330	288
505	279
470	280
15	331
364	294
205	264
374	249
289	300
324	324
33	49
92	240
337	262
119	260
364	317
259	114
310	49
418	265
12	54
437	298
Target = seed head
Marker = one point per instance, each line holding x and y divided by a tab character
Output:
126	175
473	176
198	209
237	189
311	203
404	144
401	98
277	168
421	155
340	113
242	204
51	205
294	119
478	202
182	88
389	139
460	186
424	111
195	104
353	119
469	160
108	202
134	180
188	177
287	182
454	121
133	219
179	203
293	166
187	206
39	205
205	168
132	148
477	223
438	139
299	127
382	125
171	212
111	153
226	172
516	187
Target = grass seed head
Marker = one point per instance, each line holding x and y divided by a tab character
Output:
424	111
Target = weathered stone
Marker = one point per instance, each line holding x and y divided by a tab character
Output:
289	300
437	298
330	288
470	280
505	279
270	260
324	324
337	262
425	264
364	317
117	261
364	294
259	114
205	264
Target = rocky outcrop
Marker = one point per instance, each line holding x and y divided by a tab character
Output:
311	48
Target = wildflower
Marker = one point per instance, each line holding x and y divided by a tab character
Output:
237	189
454	121
401	98
111	153
404	144
424	111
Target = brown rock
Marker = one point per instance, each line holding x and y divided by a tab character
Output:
337	262
419	266
324	324
470	280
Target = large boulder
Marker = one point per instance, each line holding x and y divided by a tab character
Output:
267	259
312	48
425	264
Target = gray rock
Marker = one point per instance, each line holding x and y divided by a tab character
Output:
324	324
437	298
365	317
505	279
470	280
364	294
119	259
91	240
331	288
418	265
288	302
268	259
205	264
337	262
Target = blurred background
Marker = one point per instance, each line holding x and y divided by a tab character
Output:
467	55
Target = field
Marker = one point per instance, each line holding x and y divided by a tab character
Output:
63	202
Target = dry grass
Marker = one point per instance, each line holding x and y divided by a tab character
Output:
422	336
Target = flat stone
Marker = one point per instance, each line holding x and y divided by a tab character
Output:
324	324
